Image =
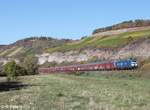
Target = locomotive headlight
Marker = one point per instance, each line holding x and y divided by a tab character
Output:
134	64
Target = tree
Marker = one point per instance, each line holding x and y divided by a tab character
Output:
10	69
21	70
93	59
130	38
31	65
84	37
50	64
1	69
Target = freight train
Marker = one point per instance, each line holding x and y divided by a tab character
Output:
101	66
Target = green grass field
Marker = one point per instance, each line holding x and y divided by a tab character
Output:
71	92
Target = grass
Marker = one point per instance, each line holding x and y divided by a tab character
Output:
15	52
71	46
85	92
7	52
146	66
121	39
11	52
106	41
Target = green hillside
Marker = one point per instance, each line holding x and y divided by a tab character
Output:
112	41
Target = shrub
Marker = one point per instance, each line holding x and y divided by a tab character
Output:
130	38
10	69
30	65
21	70
1	69
79	73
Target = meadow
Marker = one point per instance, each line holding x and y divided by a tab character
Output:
90	91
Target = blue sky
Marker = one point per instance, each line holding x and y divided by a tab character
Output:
64	18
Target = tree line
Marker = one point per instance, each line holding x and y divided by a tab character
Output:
125	24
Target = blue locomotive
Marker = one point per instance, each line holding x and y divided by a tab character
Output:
126	64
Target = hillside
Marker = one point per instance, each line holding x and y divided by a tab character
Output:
28	46
109	41
119	42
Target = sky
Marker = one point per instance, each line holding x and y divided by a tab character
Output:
64	18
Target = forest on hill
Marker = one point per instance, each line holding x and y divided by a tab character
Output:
123	25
